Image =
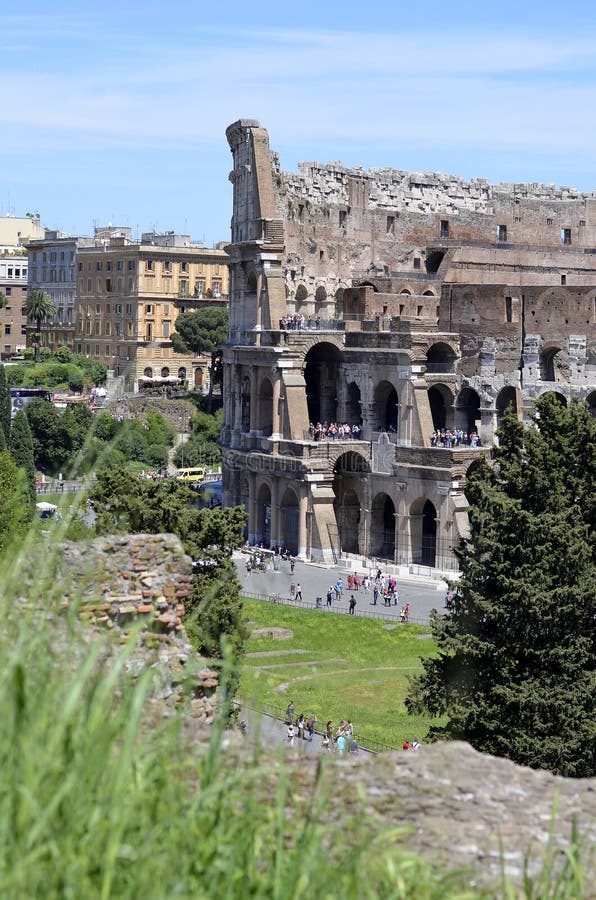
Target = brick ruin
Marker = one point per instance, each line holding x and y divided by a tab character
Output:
403	303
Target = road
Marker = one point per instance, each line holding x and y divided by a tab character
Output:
423	594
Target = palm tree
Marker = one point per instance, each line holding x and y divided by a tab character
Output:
39	306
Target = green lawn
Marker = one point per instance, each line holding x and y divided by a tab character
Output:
350	666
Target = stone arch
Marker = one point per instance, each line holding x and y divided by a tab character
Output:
423	532
350	461
289	517
507	396
148	372
386	403
561	398
321	374
265	407
554	364
320	300
354	404
263	515
301	297
591	401
382	527
406	291
467	411
429	294
347	509
165	372
182	373
440	358
440	400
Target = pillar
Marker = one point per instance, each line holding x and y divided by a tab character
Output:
302	510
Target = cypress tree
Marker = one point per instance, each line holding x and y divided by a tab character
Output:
4	406
515	674
21	447
2	441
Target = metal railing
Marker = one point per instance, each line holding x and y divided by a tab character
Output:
390	614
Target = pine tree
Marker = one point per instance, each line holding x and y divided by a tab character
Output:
516	675
4	405
21	447
16	509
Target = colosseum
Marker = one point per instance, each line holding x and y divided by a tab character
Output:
381	322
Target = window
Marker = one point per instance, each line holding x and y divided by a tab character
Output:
119	265
184	267
502	233
129	309
416	262
7	328
199	287
149	265
118	309
96	325
166	266
108	285
343	215
390	224
183	287
149	309
549	221
117	329
8	291
98	282
321	254
563	279
582	223
508	310
418	310
565	235
97	349
444	232
108	309
149	331
130	284
89	285
98	307
107	353
216	288
107	328
131	265
98	266
166	309
108	265
166	329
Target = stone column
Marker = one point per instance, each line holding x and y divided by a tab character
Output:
252	508
276	425
253	399
302	509
275	512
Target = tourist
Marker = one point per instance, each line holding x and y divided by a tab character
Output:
291	735
341	744
352	605
406	745
300	725
330	596
290	712
298	594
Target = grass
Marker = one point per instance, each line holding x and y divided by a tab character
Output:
352	668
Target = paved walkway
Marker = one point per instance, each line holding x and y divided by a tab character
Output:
423	594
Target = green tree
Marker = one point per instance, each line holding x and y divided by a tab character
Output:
39	306
203	332
16	508
5	405
2	299
516	670
21	448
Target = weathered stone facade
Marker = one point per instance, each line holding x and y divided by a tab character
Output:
401	303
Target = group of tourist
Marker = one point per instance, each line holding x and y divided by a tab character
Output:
303	727
297	322
334	431
444	437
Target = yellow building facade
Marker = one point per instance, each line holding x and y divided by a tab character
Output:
129	295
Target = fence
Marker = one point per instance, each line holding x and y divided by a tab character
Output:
369	745
391	614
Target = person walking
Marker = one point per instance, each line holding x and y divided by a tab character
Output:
292	565
298	594
330	596
352	605
375	595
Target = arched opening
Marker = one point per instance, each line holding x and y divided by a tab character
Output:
560	398
320	300
165	372
467	411
440	358
554	365
182	374
265	408
198	378
382	527
148	372
439	400
386	407
434	260
406	292
506	397
353	405
245	404
321	375
263	523
349	472
591	401
428	294
301	297
423	523
289	521
338	298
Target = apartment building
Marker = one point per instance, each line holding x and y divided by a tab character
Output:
13	284
130	293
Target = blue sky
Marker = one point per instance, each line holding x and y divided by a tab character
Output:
116	112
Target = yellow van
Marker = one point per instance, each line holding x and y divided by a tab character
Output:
193	475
